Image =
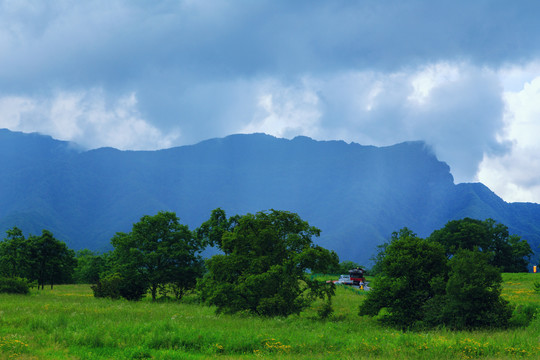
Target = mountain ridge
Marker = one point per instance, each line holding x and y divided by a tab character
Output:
356	194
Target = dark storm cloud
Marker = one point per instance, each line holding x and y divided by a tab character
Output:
119	42
190	70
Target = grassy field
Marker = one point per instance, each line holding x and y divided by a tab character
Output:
69	323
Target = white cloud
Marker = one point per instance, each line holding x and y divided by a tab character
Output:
514	176
430	77
87	118
285	111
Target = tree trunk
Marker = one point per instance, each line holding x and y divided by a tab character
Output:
154	292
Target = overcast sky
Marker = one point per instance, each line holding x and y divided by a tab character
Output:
464	76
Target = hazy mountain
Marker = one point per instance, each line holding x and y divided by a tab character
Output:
357	195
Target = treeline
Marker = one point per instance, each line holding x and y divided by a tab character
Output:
41	259
261	269
451	278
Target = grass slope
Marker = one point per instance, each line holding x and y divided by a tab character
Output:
68	323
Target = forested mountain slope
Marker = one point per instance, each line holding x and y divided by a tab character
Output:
357	195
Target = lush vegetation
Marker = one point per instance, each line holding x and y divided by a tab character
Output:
69	323
159	254
43	259
263	266
264	270
508	252
450	279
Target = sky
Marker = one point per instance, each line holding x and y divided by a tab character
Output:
463	76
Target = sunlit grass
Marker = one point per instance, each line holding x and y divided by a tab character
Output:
69	323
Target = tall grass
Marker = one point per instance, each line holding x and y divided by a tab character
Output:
68	323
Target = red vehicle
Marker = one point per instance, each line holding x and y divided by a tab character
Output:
357	276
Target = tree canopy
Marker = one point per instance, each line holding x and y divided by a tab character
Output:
508	252
418	285
262	269
409	267
41	258
157	254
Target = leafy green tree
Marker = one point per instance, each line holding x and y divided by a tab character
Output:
263	266
158	251
51	260
508	252
473	293
344	267
418	286
89	266
14	257
411	270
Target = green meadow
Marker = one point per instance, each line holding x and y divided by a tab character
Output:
69	323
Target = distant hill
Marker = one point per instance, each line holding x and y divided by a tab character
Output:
357	195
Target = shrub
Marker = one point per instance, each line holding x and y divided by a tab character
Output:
536	286
14	286
109	287
523	315
473	293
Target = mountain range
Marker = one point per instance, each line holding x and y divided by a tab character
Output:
357	195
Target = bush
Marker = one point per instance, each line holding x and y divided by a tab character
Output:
14	286
115	286
109	287
523	315
132	287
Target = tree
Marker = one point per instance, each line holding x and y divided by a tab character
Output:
410	268
508	252
344	267
158	251
51	260
89	266
263	266
418	286
14	260
473	293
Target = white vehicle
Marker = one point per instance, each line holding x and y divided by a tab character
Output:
344	279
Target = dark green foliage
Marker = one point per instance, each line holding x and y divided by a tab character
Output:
14	286
132	286
344	267
523	315
157	252
417	286
472	298
263	266
52	261
108	286
410	271
15	259
89	267
508	252
41	258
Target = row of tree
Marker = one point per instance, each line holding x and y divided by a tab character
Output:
263	265
42	259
